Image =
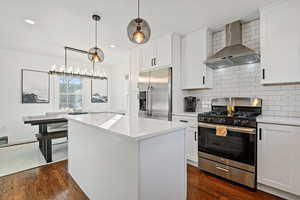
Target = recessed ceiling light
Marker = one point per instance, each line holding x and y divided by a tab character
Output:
29	21
112	46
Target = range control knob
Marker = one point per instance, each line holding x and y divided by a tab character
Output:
237	122
244	122
222	120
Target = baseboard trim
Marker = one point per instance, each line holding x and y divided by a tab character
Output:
18	144
192	163
277	192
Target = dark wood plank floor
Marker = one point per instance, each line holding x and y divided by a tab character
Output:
52	182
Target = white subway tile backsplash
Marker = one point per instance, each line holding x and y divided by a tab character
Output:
244	81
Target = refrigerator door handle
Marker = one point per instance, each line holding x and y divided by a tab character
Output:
150	99
147	101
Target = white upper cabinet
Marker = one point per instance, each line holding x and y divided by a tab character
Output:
164	51
280	42
148	52
196	47
157	53
279	157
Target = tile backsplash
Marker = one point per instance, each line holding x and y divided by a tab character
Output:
244	81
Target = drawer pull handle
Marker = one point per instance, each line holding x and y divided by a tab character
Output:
222	169
260	134
183	121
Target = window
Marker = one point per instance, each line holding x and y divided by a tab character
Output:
70	93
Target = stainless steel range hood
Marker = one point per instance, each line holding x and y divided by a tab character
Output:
235	53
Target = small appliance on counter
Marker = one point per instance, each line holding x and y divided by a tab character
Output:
232	155
190	104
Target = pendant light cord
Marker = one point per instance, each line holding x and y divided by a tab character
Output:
96	33
138	9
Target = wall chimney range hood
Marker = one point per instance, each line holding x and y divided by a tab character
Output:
235	53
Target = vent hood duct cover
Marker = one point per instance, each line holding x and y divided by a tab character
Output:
234	53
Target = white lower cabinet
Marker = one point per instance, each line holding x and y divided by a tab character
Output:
279	157
191	139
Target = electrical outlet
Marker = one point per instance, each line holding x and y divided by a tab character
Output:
3	140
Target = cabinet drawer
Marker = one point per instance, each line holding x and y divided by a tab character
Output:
233	174
192	121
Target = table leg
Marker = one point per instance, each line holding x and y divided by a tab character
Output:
48	150
45	144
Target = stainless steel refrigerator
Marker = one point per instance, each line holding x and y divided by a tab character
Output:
155	94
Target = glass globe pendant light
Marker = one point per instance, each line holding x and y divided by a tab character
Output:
138	29
95	54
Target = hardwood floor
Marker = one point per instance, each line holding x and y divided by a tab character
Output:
53	182
43	183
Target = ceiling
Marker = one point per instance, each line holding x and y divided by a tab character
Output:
62	23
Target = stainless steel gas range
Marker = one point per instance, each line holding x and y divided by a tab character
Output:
233	156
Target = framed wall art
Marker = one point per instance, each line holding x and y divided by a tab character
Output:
35	86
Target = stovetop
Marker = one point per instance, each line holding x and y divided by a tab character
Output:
244	112
241	119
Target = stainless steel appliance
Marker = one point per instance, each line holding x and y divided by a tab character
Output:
190	104
235	53
232	157
155	94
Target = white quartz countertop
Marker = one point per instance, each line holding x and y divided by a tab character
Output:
134	128
292	121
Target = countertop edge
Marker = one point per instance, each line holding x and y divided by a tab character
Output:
137	138
288	121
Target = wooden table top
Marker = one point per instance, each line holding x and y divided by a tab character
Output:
44	119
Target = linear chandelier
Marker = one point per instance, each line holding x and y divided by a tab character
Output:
95	54
70	71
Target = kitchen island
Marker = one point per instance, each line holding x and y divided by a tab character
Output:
116	157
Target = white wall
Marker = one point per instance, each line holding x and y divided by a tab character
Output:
11	108
119	87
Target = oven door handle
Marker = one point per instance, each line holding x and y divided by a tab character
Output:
230	128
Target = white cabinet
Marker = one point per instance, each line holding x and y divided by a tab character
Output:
279	157
148	52
192	144
280	42
196	47
157	53
164	51
191	139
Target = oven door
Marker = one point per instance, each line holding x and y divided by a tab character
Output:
239	144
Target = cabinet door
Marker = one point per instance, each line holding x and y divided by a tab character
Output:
190	143
280	43
163	51
147	56
194	53
194	153
278	157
